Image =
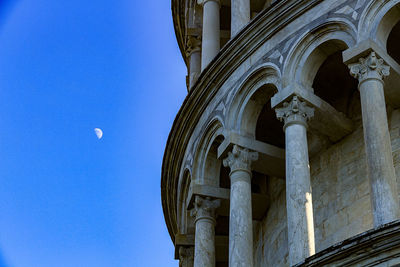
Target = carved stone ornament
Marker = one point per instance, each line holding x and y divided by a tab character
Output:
370	67
193	44
295	111
205	207
186	256
240	159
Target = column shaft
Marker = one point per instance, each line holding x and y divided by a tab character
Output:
300	220
240	15
211	32
379	153
204	255
384	198
240	220
204	250
298	195
194	67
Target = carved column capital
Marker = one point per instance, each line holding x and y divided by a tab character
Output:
370	67
186	256
240	159
193	44
204	208
294	112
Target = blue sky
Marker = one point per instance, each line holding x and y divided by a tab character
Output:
66	67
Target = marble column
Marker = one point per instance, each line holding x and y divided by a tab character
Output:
211	31
186	256
300	220
240	15
204	247
193	53
240	220
370	72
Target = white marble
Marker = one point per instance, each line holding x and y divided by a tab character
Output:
240	220
211	31
204	212
240	15
370	73
301	241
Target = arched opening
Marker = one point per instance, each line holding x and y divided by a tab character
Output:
213	165
269	129
386	26
393	43
334	84
185	221
258	117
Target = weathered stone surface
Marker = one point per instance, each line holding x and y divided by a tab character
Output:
240	15
204	212
300	221
283	49
370	72
240	217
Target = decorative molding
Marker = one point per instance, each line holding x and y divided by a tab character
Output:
193	44
240	159
295	111
370	67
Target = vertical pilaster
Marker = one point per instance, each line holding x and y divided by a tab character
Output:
298	186
240	15
211	31
240	220
204	212
370	72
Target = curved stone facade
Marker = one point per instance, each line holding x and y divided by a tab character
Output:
289	136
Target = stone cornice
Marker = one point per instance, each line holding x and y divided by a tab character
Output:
238	49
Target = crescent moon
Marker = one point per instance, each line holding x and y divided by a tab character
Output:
98	132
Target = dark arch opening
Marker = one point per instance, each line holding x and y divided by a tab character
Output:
393	43
269	129
334	84
213	165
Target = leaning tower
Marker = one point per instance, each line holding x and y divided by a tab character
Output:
286	150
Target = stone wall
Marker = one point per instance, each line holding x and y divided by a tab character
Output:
270	235
340	185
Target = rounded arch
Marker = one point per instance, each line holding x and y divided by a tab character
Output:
307	55
183	189
254	92
206	166
377	21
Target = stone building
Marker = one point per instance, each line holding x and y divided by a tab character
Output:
286	150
